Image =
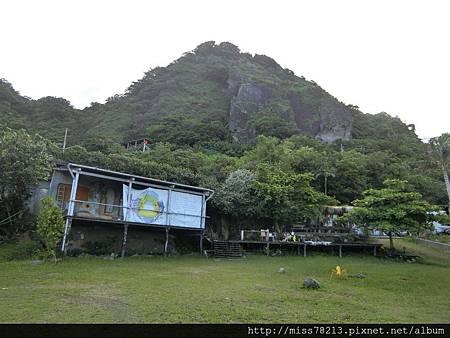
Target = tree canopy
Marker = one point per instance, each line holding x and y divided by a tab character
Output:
24	161
390	209
440	149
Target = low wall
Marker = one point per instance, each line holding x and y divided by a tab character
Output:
433	244
104	238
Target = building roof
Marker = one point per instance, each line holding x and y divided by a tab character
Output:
125	177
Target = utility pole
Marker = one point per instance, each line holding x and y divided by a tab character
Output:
64	143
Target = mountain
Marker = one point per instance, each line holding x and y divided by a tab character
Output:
214	93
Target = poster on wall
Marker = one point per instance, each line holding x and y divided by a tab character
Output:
146	206
152	206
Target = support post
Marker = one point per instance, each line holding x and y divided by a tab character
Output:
298	249
203	213
202	223
64	143
166	244
169	194
124	243
268	248
304	250
130	186
375	251
201	242
340	251
70	211
65	240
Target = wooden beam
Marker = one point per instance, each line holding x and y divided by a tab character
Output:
304	250
340	251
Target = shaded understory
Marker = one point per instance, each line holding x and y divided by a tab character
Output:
193	289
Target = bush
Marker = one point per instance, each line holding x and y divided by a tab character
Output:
75	252
16	250
50	226
98	248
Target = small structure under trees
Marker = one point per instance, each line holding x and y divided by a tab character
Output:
139	144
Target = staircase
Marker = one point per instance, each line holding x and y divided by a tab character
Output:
226	249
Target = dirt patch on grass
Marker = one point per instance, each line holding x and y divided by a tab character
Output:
260	287
106	301
192	270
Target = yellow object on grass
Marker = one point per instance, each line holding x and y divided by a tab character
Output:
339	272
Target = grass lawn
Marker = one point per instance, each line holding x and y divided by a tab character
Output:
442	238
198	290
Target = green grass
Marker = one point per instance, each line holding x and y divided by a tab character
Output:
442	238
193	289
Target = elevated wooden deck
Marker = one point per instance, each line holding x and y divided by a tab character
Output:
300	245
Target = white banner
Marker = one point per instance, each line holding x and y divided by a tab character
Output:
151	205
185	210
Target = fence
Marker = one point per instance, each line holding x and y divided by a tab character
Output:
433	244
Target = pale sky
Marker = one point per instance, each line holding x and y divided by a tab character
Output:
391	56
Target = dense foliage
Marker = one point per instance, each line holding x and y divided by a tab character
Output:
440	152
24	161
390	209
50	226
271	182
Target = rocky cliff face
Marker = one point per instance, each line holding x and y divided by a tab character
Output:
328	120
249	99
336	121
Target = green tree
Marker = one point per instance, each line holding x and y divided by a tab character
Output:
351	176
267	150
272	124
235	196
326	171
286	197
390	209
441	153
24	161
50	226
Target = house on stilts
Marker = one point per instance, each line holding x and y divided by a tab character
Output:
107	211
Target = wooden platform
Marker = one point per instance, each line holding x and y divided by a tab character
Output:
301	247
227	249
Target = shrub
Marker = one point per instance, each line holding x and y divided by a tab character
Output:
50	226
99	247
25	249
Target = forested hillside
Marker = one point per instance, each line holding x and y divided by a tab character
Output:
242	125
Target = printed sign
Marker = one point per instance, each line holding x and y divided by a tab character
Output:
153	206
